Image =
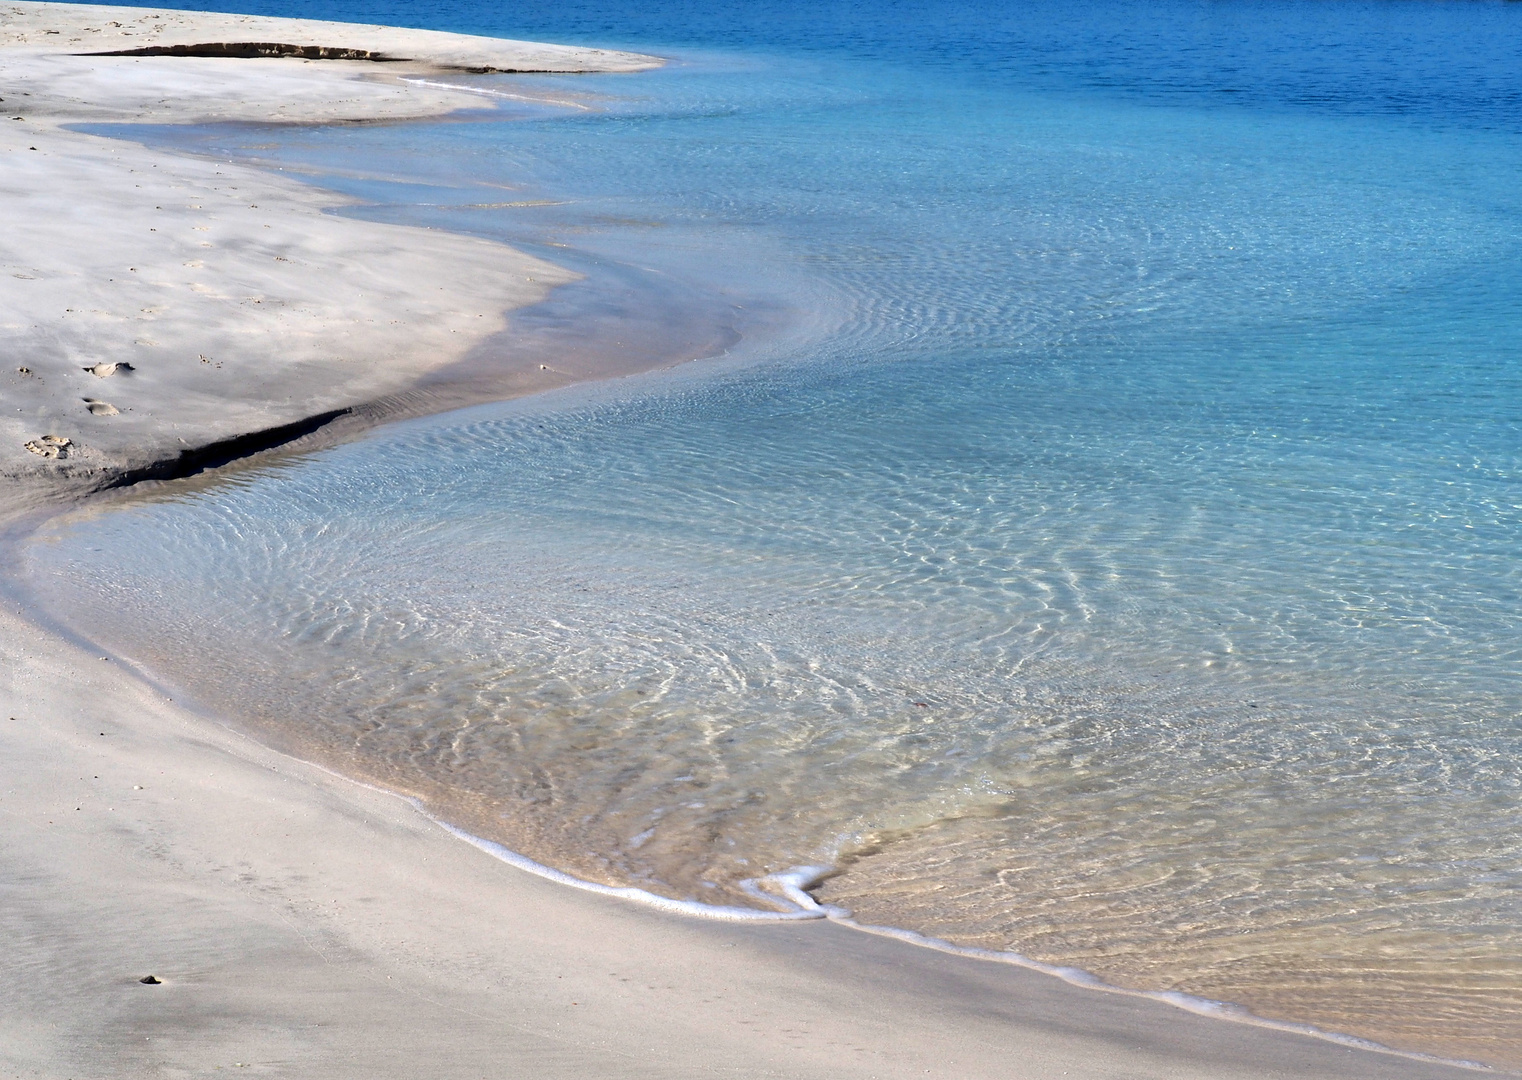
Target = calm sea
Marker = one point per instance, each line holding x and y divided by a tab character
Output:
1107	546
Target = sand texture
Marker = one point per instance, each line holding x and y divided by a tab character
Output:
227	300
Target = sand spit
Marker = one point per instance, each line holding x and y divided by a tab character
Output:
218	300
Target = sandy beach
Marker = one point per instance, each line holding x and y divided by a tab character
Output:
178	899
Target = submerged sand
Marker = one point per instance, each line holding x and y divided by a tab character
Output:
154	305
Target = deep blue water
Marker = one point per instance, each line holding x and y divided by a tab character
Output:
1120	561
1433	63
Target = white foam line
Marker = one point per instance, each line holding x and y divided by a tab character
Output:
1219	1010
661	903
791	911
498	93
792	885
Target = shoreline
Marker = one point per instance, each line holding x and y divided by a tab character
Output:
786	892
238	794
791	887
154	851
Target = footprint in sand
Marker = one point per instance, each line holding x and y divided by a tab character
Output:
100	408
105	371
49	446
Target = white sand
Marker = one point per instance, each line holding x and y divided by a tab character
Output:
302	925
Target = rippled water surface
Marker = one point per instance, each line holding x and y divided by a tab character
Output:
1121	565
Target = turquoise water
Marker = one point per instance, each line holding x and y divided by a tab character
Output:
1108	550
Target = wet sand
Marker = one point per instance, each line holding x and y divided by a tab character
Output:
295	923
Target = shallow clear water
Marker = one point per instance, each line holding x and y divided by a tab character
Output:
1120	565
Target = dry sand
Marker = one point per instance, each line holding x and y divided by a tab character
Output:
299	924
